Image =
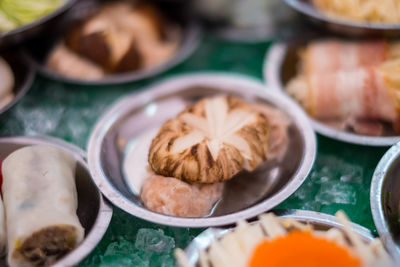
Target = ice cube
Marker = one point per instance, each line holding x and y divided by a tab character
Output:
153	241
334	192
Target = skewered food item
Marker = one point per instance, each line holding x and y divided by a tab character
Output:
6	83
275	241
40	202
16	13
243	135
383	11
120	37
350	90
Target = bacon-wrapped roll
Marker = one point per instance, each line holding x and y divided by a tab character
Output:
357	95
332	55
40	201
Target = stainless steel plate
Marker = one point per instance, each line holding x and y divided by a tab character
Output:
385	200
319	221
20	34
280	65
93	212
342	26
135	114
271	20
37	50
23	76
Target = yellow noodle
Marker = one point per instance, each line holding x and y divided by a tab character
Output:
378	11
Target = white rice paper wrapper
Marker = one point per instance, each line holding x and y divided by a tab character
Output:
39	192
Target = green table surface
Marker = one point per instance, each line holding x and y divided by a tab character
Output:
340	178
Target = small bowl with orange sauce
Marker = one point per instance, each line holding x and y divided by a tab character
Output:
319	222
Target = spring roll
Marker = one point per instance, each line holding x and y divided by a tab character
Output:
40	201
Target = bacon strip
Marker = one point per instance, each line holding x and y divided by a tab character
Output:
333	55
351	95
350	84
374	128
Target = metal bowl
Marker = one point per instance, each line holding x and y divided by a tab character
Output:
271	21
135	114
93	212
37	50
319	221
20	34
385	200
23	76
280	65
342	26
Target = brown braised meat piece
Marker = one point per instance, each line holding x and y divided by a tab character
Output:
46	246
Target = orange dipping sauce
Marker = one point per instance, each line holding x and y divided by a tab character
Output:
302	249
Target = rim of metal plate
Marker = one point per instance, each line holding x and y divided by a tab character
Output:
180	83
376	199
308	9
191	40
273	63
26	85
204	239
105	210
